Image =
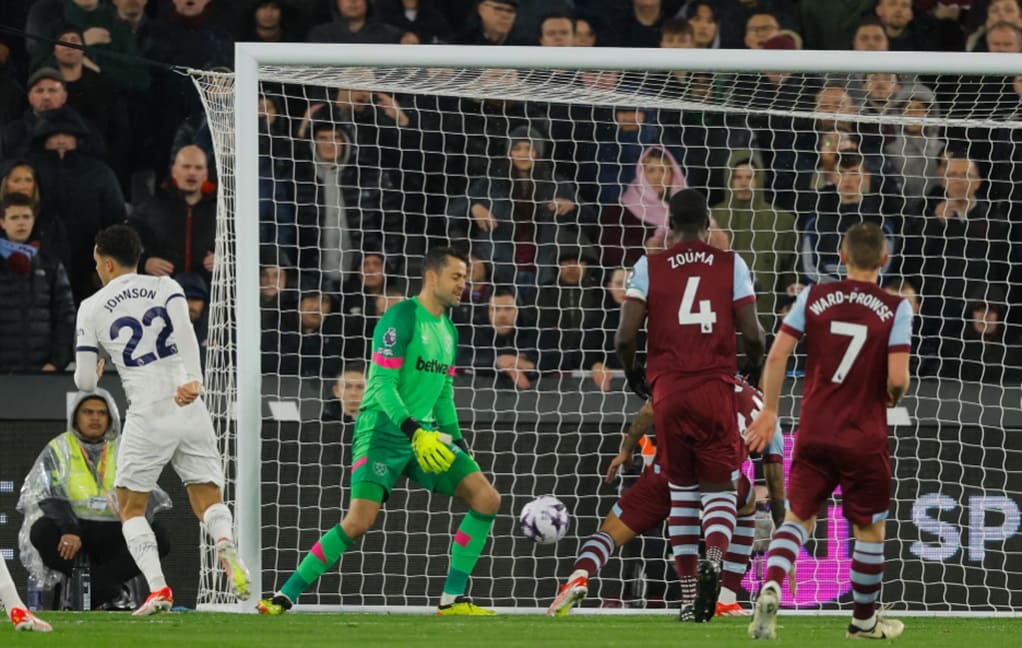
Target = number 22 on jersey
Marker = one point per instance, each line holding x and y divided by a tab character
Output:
705	318
137	329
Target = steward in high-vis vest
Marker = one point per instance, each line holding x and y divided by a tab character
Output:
70	505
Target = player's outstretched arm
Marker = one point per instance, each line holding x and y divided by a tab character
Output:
641	424
759	433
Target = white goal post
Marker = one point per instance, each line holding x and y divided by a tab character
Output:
235	378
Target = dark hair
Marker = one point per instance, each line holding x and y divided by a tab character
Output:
556	15
676	26
689	212
352	366
849	159
68	28
693	9
870	20
16	200
865	245
395	286
436	259
121	243
504	290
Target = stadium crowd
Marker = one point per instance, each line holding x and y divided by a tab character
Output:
552	201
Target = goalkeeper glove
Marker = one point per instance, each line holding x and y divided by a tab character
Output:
637	381
430	450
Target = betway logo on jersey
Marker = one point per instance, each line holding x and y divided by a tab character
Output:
128	293
432	366
684	258
871	302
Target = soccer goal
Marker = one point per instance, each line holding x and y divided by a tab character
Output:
550	167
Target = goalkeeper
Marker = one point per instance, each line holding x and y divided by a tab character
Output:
408	426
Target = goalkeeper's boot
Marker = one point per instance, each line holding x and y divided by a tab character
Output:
572	593
764	615
462	606
730	609
275	605
882	629
159	601
235	569
707	591
25	621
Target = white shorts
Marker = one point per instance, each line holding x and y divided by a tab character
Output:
160	433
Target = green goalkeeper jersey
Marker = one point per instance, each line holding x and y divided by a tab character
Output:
411	375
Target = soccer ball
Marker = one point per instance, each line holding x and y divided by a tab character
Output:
544	520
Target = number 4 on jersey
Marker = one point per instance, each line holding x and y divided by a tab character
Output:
705	318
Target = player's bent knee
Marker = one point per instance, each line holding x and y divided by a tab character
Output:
485	500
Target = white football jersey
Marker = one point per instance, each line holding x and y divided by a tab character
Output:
128	319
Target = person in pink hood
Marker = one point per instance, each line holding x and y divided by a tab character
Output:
642	213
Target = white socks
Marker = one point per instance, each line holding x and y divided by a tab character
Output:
219	522
8	592
448	599
142	545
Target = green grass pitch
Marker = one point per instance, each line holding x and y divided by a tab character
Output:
195	629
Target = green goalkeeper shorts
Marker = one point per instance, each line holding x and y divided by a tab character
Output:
383	454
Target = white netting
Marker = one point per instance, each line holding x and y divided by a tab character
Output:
542	175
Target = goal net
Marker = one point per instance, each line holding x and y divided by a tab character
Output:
350	162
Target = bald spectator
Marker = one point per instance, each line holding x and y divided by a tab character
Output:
353	24
494	26
759	28
178	225
556	30
1004	38
80	188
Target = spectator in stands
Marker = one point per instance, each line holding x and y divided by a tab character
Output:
986	350
353	24
556	30
640	24
197	295
276	177
870	35
422	18
277	288
997	11
759	28
852	201
18	176
764	236
309	342
495	24
342	194
46	91
585	33
831	25
961	241
1004	38
517	217
564	309
643	209
906	31
96	98
395	292
82	190
187	37
112	47
502	344
358	304
67	502
348	390
178	225
702	17
37	317
132	13
272	21
678	33
601	324
912	150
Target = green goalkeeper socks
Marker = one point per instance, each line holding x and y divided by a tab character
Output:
468	544
323	555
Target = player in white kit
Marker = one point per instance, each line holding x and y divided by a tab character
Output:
142	322
17	611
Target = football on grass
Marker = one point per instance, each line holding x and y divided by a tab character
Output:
544	520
